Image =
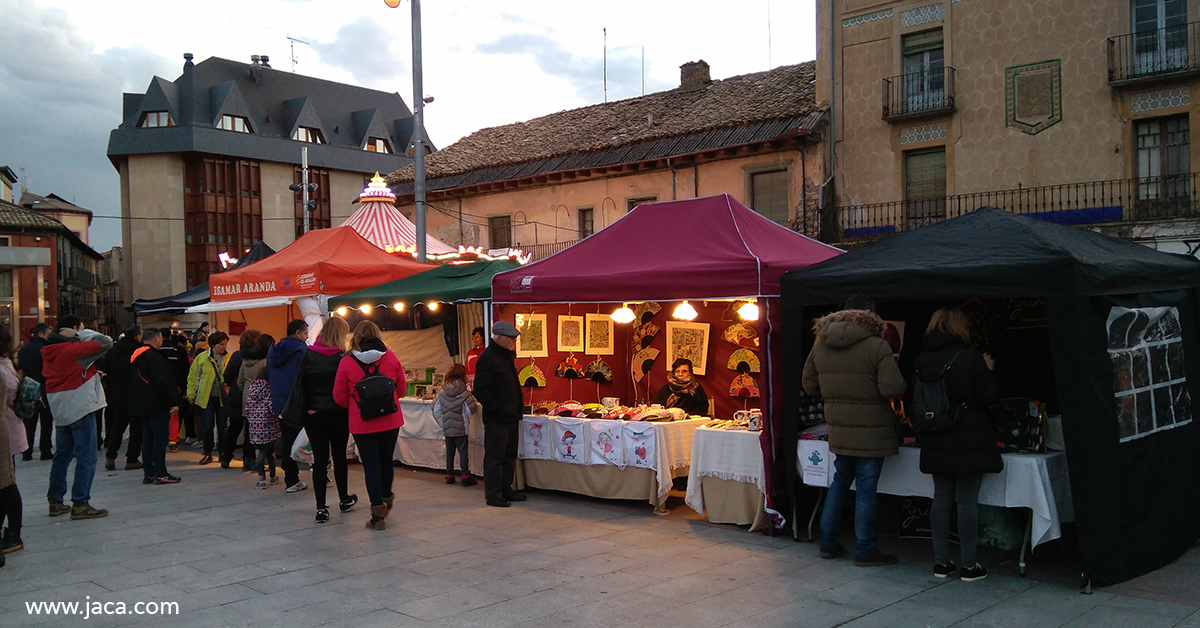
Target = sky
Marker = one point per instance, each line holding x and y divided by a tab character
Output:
64	64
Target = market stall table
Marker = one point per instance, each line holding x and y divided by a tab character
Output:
421	442
1039	483
726	477
667	456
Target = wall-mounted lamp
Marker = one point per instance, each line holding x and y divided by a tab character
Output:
623	314
748	311
685	312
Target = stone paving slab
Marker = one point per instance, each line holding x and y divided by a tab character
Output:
231	555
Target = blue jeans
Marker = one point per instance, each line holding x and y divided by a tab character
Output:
864	473
214	418
154	444
78	441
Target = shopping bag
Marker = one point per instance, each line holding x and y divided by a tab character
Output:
302	449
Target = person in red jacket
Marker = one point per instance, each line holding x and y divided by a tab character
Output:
375	438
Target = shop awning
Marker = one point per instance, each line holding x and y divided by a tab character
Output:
199	295
452	283
243	304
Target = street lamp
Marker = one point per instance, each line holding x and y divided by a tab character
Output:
418	126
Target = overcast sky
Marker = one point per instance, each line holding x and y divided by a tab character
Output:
65	63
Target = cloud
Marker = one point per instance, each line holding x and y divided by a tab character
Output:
58	102
365	49
585	73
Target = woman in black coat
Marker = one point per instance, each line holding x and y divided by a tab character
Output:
958	458
326	423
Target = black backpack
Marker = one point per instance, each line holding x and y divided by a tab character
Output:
931	409
376	393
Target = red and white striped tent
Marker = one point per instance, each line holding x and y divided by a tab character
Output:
381	224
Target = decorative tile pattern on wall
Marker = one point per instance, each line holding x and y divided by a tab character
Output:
866	17
1033	96
1162	99
923	133
921	15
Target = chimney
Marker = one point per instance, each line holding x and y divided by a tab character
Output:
266	60
254	59
693	75
187	91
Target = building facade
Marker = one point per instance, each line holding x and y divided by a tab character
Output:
77	219
207	161
546	183
8	179
1073	110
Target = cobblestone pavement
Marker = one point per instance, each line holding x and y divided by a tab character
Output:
231	555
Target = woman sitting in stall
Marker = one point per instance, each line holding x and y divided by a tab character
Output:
682	390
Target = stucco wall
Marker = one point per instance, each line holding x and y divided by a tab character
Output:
155	225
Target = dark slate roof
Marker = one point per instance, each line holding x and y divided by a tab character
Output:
738	110
8	173
276	103
17	219
52	203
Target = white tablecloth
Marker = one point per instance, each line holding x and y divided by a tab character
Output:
726	454
421	442
1039	482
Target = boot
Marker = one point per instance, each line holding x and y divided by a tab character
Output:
389	500
377	515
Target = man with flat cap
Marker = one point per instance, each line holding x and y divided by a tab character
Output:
499	391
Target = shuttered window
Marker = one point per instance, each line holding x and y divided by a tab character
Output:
499	232
925	185
769	194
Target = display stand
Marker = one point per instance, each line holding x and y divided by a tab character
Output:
726	480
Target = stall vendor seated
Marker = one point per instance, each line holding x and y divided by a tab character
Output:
683	391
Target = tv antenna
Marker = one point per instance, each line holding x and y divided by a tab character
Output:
293	41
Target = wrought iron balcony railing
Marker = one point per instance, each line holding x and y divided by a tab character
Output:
918	94
1090	203
1153	54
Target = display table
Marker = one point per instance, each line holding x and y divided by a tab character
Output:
421	442
589	457
726	478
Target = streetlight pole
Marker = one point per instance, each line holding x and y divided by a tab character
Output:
418	131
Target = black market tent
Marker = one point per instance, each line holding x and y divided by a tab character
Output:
199	295
1136	495
451	283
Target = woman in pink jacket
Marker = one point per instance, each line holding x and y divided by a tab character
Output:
376	437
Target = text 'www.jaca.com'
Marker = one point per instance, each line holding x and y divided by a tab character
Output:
88	609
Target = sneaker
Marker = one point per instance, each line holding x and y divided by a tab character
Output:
468	481
147	480
133	465
173	449
295	488
832	551
322	515
346	504
110	464
449	479
274	480
206	459
11	543
58	508
944	571
167	479
87	512
971	574
261	485
878	559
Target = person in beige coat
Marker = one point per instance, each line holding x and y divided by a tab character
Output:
853	368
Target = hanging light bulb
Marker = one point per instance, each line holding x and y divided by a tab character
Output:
366	309
685	312
623	314
342	311
433	307
748	311
398	306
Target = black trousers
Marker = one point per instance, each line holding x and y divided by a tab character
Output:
47	422
328	432
291	472
459	444
375	451
118	421
10	509
499	459
238	425
187	419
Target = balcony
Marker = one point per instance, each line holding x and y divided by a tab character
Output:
1155	55
542	251
918	95
1119	201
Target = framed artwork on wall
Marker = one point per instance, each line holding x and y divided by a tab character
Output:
570	333
532	341
598	335
687	340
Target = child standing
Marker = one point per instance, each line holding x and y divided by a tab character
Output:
264	425
452	411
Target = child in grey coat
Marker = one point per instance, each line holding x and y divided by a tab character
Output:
452	410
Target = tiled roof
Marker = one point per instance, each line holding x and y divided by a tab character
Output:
727	112
54	203
17	217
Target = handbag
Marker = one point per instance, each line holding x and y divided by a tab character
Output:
294	405
29	398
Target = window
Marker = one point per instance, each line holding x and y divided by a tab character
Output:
925	186
924	80
1160	35
222	210
320	217
587	221
1163	163
499	232
379	145
630	203
234	123
769	194
308	134
154	119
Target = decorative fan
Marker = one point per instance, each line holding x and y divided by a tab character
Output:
598	371
569	368
645	311
532	376
744	361
743	386
641	362
742	335
643	334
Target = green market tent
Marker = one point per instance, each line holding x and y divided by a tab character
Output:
452	283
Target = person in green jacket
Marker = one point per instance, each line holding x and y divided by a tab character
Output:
206	390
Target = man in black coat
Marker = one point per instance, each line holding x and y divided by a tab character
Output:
117	368
174	350
29	362
153	396
499	391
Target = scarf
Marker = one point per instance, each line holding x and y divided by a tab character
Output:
680	388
